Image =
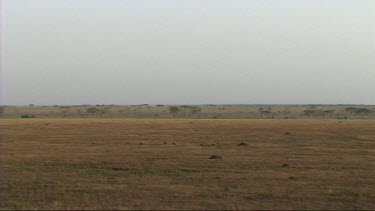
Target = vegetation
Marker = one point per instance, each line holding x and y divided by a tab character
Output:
174	110
93	111
27	116
188	111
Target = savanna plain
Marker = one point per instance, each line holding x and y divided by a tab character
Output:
200	164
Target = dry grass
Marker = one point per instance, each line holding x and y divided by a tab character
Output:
164	164
205	112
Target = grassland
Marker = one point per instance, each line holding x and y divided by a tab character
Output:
164	164
196	112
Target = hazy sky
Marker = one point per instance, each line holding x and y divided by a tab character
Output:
188	51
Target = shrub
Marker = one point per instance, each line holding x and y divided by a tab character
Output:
174	110
363	111
27	116
93	110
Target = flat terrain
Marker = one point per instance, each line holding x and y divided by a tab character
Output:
164	164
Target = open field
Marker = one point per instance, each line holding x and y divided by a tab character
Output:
98	163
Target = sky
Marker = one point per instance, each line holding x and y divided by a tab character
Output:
188	52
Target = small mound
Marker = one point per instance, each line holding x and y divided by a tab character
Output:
217	157
287	133
292	178
285	165
242	144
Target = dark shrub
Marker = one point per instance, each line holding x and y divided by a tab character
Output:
27	116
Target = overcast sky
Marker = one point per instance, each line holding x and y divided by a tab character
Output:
188	51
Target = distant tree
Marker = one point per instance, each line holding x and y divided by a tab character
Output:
64	110
309	112
312	106
93	111
104	111
317	113
79	112
286	112
363	111
351	110
2	110
174	110
27	116
266	112
329	111
196	111
186	106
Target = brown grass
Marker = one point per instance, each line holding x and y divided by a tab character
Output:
101	164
